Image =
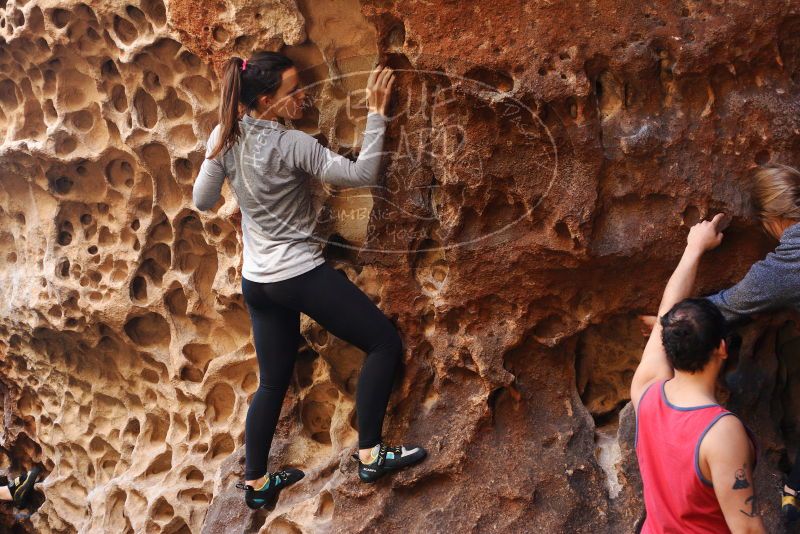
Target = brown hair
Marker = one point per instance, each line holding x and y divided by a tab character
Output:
262	75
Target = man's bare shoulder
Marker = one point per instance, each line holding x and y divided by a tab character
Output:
726	437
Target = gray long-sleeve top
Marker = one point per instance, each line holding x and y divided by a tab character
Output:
773	282
268	168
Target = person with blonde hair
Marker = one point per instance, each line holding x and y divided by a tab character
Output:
773	282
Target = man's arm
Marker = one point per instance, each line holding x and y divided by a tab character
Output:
654	366
726	459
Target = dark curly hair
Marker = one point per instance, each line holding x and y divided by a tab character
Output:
692	329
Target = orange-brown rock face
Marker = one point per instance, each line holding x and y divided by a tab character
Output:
512	249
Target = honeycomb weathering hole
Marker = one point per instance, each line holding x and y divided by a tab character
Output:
74	90
193	475
146	109
125	30
499	80
161	464
317	412
148	330
60	17
176	301
220	403
162	510
198	354
222	445
139	288
156	11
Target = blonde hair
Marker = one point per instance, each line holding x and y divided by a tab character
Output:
776	192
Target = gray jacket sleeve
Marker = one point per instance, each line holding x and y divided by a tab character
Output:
330	167
208	184
773	282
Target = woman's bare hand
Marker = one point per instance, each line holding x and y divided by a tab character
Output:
379	87
706	235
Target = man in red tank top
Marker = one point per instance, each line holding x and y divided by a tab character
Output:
695	457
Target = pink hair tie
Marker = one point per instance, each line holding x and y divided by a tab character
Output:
244	64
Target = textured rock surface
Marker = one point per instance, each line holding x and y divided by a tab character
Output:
124	342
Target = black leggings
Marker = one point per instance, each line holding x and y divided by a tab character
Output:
339	306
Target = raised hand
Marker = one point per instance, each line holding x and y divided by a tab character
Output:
379	87
706	235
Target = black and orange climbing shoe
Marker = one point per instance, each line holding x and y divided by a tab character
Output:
389	459
267	495
22	486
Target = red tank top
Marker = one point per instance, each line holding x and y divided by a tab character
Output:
677	498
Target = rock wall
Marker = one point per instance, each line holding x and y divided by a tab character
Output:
514	267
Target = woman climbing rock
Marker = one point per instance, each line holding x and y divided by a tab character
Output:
284	272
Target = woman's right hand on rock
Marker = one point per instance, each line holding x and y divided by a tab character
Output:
379	87
706	235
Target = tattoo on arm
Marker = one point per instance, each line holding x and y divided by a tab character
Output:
751	500
740	481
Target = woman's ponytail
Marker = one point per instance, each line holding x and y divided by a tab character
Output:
243	82
229	106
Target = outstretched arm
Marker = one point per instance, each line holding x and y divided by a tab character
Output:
335	169
654	366
768	284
